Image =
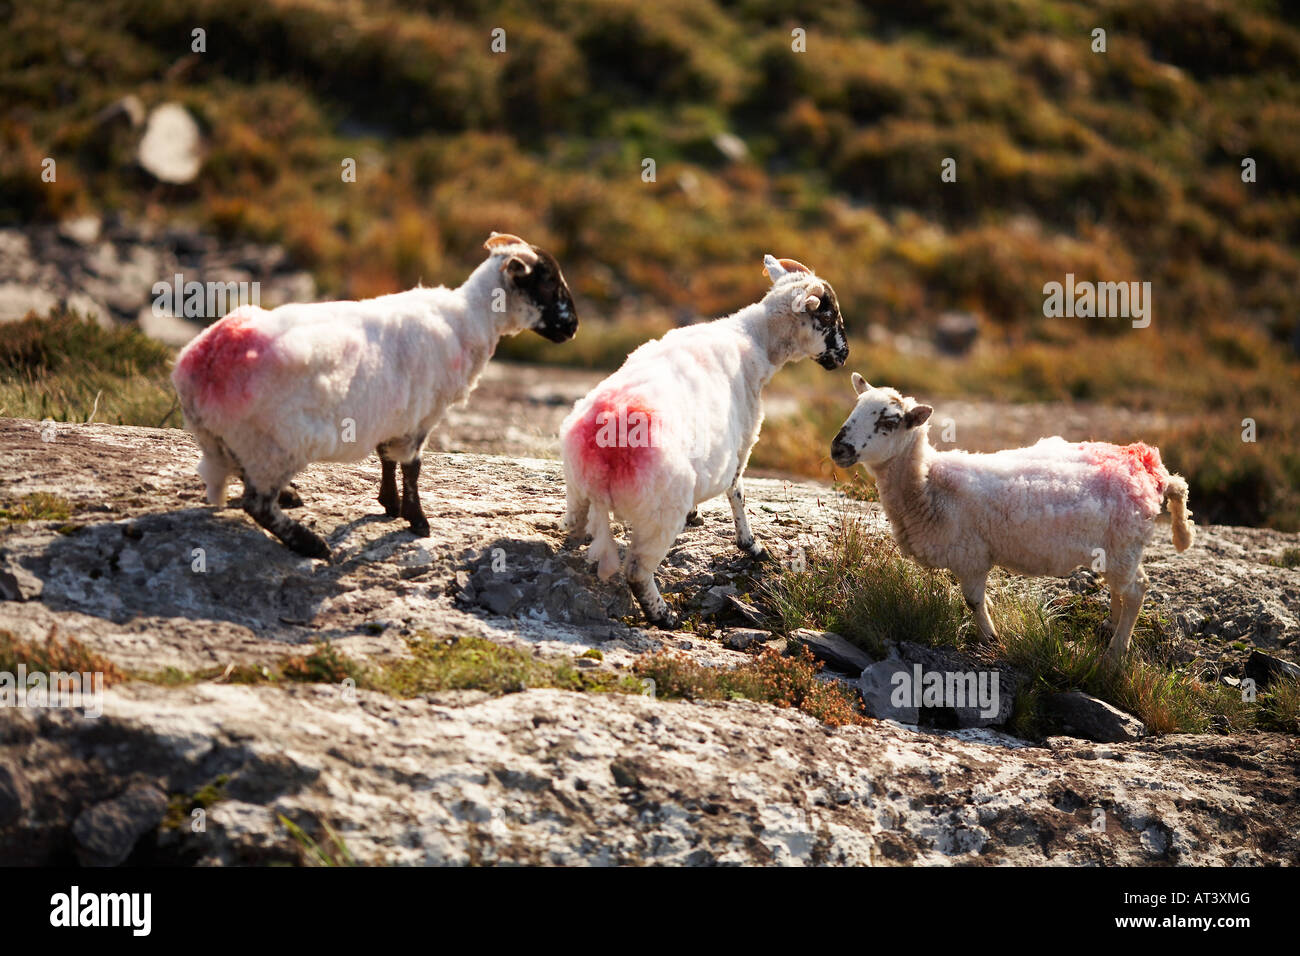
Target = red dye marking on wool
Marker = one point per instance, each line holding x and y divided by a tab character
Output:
1136	468
223	364
613	444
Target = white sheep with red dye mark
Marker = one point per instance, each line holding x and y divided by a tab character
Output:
267	392
675	425
1043	510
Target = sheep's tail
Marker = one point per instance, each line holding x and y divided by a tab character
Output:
604	549
1184	527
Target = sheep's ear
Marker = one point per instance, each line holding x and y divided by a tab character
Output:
917	415
775	268
518	265
859	383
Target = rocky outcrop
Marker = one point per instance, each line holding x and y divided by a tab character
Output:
106	270
548	777
144	573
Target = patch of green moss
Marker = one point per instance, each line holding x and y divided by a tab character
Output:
181	807
472	663
36	506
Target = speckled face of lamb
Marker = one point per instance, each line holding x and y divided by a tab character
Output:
880	427
1043	510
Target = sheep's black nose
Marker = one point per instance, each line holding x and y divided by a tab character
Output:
841	452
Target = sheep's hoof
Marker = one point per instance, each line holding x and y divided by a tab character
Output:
391	508
693	520
754	550
420	528
309	545
665	622
288	498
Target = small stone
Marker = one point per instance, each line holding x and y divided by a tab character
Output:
82	230
16	300
128	112
171	147
731	146
106	833
1265	668
9	590
743	638
835	651
715	598
1083	715
955	332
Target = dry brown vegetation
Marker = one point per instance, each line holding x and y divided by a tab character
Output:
1117	166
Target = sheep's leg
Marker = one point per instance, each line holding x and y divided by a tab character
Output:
264	508
215	472
412	510
644	555
1116	610
744	535
576	510
1132	596
974	588
388	485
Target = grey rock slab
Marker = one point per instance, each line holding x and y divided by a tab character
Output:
1264	669
836	652
1082	715
106	832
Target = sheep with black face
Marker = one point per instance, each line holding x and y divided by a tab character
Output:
267	392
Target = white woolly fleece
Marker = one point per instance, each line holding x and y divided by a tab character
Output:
329	381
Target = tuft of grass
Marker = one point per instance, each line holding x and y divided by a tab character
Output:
340	855
784	681
55	656
36	506
1279	706
1058	646
67	369
1289	558
861	587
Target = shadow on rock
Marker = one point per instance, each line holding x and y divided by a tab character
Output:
532	580
193	563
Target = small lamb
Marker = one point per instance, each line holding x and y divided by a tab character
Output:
674	426
1042	510
267	392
